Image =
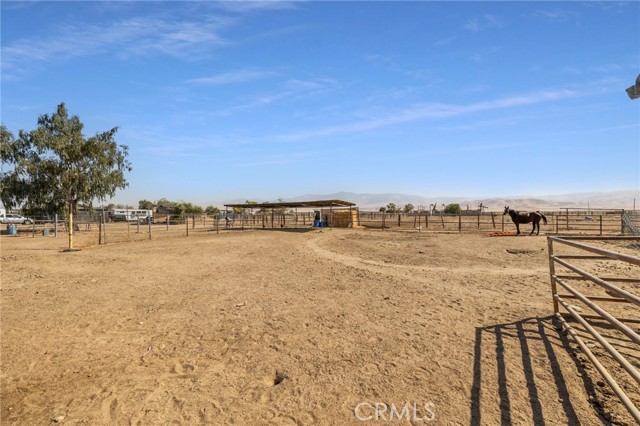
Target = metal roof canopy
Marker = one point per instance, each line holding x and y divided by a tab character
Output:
294	204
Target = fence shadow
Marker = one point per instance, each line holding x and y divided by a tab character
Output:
498	347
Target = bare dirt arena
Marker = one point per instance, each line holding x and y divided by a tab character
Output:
326	327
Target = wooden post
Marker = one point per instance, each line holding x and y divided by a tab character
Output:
99	231
442	220
557	224
478	220
399	220
168	220
149	221
137	225
567	212
459	223
128	228
186	222
502	220
193	221
600	224
383	216
70	228
33	229
104	228
273	213
493	220
55	225
622	223
426	221
217	219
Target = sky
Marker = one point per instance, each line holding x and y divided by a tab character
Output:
221	101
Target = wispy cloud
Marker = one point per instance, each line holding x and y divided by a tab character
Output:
277	160
231	77
483	23
243	6
136	36
559	16
430	111
484	147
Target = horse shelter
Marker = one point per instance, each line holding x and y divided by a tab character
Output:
327	213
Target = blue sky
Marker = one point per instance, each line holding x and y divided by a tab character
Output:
263	100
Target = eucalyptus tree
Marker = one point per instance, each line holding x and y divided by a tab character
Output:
56	167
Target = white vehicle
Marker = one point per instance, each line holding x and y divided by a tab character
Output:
14	218
129	215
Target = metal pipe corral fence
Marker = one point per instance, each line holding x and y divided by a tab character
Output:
598	260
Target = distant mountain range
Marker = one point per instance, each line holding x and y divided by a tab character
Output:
613	200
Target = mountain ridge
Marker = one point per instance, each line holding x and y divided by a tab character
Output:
622	199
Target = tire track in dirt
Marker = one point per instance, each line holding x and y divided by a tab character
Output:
396	269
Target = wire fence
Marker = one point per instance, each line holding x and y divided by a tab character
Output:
99	230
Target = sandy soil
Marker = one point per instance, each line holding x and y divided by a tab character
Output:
290	328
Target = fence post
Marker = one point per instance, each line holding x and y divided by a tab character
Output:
149	220
459	223
478	220
557	224
186	222
383	216
128	229
493	220
398	220
104	228
34	228
100	231
552	273
502	220
622	223
600	224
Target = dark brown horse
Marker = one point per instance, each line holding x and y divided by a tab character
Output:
519	218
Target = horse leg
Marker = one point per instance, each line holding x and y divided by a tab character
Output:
518	228
534	228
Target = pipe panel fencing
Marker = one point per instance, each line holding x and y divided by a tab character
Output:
96	230
601	275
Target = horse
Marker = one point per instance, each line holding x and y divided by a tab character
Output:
519	218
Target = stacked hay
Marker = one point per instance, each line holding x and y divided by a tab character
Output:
345	219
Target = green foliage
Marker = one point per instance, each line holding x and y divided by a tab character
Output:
146	205
408	208
187	208
165	203
392	208
212	210
453	209
55	166
382	209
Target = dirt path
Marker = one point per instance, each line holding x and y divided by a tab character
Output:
289	328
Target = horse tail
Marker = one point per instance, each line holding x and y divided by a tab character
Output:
544	218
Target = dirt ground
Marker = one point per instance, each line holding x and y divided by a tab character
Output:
326	327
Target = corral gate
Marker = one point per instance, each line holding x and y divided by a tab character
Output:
616	295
